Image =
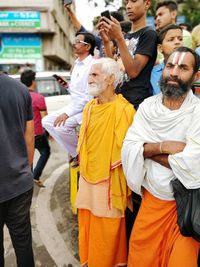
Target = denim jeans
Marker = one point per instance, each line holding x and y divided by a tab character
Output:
42	145
15	213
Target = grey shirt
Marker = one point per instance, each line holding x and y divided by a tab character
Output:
15	110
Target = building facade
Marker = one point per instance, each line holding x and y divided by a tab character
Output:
36	34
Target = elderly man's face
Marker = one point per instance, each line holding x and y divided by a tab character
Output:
178	74
97	83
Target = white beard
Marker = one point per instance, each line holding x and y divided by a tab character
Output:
95	89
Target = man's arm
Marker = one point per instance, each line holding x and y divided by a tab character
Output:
159	152
29	139
112	28
43	113
76	23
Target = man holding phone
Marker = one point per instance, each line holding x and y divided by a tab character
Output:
62	124
138	50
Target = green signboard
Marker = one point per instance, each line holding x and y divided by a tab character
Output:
20	46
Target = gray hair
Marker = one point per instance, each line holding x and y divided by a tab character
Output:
110	67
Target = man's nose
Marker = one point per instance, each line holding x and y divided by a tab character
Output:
177	41
89	79
175	71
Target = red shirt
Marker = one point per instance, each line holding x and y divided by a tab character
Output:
38	104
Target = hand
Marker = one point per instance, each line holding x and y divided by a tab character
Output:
112	28
172	147
102	31
61	120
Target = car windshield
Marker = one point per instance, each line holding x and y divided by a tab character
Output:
48	87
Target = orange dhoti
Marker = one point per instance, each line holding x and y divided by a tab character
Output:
156	240
102	241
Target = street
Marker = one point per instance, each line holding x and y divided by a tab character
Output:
54	227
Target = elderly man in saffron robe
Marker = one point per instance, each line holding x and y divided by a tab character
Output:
103	194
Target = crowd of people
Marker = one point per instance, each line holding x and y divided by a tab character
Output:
132	127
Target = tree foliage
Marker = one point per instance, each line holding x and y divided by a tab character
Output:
190	9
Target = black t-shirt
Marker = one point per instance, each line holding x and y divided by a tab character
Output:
143	42
15	110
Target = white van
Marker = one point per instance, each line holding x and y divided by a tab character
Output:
56	96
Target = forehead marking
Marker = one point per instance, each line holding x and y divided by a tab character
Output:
178	58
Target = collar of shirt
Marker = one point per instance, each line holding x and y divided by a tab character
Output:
85	61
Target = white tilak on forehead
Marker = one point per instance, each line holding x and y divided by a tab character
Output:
178	58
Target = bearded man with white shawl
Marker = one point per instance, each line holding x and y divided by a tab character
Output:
163	143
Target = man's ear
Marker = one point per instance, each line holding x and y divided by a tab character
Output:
174	15
196	76
147	4
88	47
111	79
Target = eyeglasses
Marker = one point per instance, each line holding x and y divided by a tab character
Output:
77	41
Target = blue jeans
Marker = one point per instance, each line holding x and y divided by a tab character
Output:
15	213
42	145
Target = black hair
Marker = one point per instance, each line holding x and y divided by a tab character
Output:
195	55
187	25
117	15
27	77
171	5
90	39
163	32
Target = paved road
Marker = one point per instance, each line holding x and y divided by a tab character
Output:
54	226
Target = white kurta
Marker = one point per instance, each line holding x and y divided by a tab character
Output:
66	134
153	123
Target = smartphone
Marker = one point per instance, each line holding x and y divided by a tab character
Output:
67	2
106	14
61	81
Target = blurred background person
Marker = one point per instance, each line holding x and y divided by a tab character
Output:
39	111
166	13
62	124
196	39
169	38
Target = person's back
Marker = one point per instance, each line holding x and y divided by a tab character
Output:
16	180
39	111
14	163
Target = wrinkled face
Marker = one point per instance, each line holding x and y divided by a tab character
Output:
135	9
173	39
164	17
177	75
97	82
80	46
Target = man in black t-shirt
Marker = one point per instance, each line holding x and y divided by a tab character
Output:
138	50
16	179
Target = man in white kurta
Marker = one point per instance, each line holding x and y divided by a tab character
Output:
62	124
163	143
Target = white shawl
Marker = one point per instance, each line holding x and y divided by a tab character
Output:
152	123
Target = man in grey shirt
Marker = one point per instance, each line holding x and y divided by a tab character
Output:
16	178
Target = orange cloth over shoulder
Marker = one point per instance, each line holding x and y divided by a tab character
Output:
100	142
